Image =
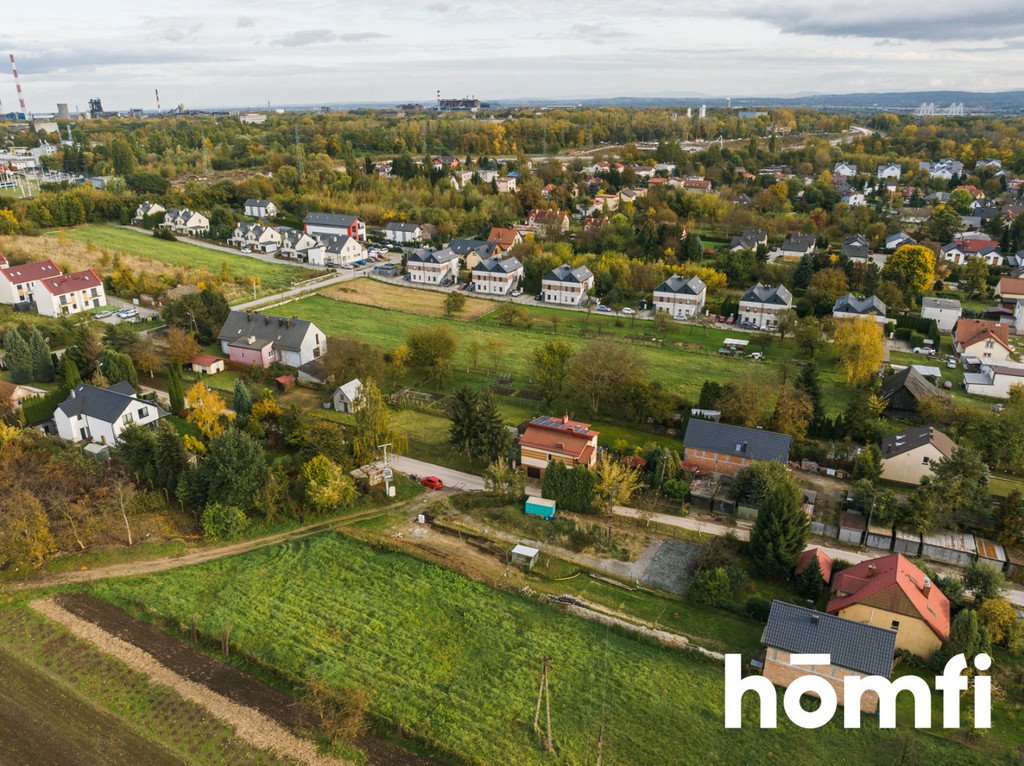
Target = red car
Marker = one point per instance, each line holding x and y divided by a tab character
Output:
432	481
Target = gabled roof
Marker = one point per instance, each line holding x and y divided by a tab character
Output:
284	333
257	203
725	439
498	265
330	219
915	437
1010	285
504	237
749	239
852	645
940	303
799	242
426	255
69	283
851	304
910	380
824	562
411	228
350	390
563	273
106	404
969	331
681	285
894	584
30	272
760	293
481	247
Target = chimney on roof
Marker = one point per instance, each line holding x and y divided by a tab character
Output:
926	587
565	419
872	570
815	618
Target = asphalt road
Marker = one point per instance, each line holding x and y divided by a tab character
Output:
452	479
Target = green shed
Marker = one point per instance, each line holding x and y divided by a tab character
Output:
539	506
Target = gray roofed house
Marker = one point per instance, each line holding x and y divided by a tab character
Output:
855	646
682	285
564	273
850	305
496	265
856	246
798	244
760	293
913	438
481	247
429	255
330	219
749	239
101	414
294	341
724	448
409	228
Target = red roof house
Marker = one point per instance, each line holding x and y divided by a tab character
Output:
547	438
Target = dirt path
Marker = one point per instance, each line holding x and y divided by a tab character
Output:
250	725
151	566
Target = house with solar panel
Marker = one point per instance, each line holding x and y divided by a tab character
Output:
546	439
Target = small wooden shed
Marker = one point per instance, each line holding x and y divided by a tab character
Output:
524	556
540	506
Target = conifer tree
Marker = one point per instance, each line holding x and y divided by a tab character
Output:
18	357
42	362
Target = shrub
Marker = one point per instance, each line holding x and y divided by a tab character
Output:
677	489
223	522
758	608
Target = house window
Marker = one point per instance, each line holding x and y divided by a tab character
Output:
128	418
143	412
925	460
895	625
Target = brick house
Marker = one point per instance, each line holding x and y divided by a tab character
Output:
546	438
724	448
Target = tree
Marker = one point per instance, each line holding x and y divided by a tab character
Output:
205	409
136	448
146	355
512	313
859	344
793	413
807	382
181	346
233	470
71	375
944	223
18	357
25	537
960	484
505	480
868	463
327	487
984	581
965	637
742	402
169	458
1009	518
973	274
223	522
549	370
809	583
175	389
494	439
571	488
998	618
241	401
431	350
42	361
118	367
780	531
960	200
912	268
615	484
122	156
454	303
373	426
603	373
203	312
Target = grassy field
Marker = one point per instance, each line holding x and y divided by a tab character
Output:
455	662
370	292
190	261
65	702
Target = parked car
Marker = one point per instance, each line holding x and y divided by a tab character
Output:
951	364
924	350
998	408
516	293
730	320
757	356
603	309
432	482
540	298
628	311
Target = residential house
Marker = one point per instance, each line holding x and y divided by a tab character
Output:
726	449
895	241
1010	290
853	197
433	267
844	169
907	456
850	306
253	339
505	184
472	251
68	294
761	305
889	170
692	184
504	239
256	237
856	247
983	339
147	208
297	244
681	297
337	250
989	163
750	239
854	649
346	397
546	439
445	163
796	246
94	414
497	276
597	222
904	391
21	284
945	311
632	195
548	221
12	396
260	208
962	249
205	364
396	231
182	220
893	594
994	379
602	201
324	224
567	286
945	169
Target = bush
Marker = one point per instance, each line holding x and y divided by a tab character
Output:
223	522
677	489
164	233
758	608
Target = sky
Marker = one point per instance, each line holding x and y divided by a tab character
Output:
204	53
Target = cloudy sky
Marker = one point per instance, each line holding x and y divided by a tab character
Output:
226	53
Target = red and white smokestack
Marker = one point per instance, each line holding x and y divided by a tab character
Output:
17	84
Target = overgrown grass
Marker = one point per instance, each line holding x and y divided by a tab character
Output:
456	663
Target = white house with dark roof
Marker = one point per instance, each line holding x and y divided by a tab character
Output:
850	306
908	456
256	237
750	239
856	247
889	170
895	241
296	243
254	339
844	169
397	231
795	246
472	251
681	297
94	414
945	311
497	276
432	267
994	379
945	169
761	305
147	208
326	224
260	208
182	220
567	286
336	250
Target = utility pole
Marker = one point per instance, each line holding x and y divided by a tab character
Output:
544	694
387	473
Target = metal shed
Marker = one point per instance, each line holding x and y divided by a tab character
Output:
852	527
949	547
825	530
991	552
907	543
879	537
1014	562
539	506
525	556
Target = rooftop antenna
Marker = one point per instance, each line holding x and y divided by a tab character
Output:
157	92
17	83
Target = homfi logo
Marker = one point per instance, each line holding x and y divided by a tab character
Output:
951	683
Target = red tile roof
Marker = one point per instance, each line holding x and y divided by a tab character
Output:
69	283
824	562
970	331
896	585
1010	286
30	272
204	360
561	435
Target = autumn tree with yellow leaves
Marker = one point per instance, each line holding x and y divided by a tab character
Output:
860	347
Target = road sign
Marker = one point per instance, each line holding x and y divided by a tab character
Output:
388	474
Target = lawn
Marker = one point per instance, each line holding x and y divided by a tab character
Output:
371	292
274	277
455	663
